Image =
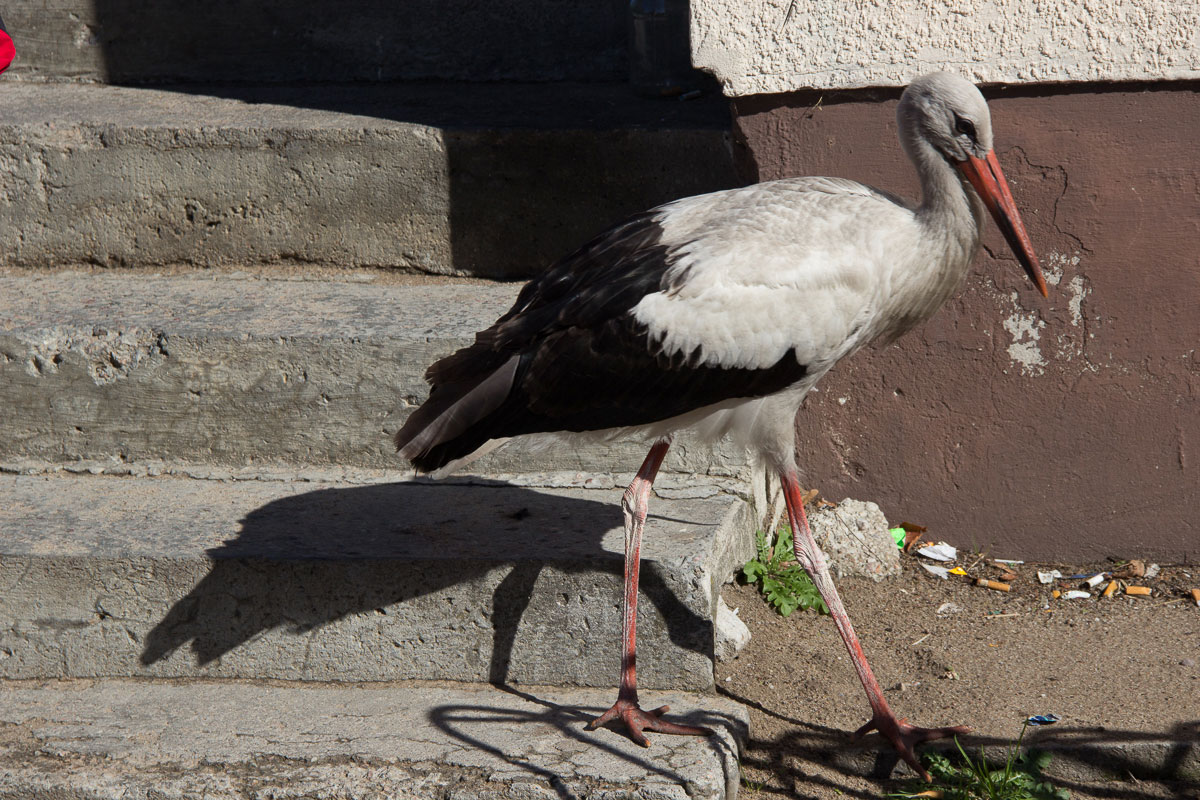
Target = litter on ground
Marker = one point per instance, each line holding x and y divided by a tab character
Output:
1042	719
941	572
939	552
997	585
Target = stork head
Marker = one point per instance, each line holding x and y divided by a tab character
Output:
947	114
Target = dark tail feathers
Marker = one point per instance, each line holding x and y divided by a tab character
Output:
427	438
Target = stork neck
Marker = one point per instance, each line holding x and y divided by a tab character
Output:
948	203
951	217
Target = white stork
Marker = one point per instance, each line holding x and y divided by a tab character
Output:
719	313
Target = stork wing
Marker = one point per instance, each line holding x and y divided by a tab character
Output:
673	310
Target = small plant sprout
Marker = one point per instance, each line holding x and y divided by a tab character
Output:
782	581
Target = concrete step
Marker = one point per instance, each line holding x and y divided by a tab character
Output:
286	40
136	740
332	580
490	180
239	371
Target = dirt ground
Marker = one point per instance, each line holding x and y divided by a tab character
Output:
1117	671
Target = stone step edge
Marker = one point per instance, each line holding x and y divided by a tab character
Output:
111	576
351	175
668	484
123	738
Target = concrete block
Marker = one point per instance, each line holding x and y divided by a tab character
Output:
168	577
125	41
141	740
732	635
131	368
492	181
854	535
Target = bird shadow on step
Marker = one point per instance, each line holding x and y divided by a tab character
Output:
423	580
505	733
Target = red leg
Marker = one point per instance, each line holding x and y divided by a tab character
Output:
902	735
634	503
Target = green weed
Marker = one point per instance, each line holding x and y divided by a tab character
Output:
753	786
1020	778
782	581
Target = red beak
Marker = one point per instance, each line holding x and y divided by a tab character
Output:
988	180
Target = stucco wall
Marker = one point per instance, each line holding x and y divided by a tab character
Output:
754	46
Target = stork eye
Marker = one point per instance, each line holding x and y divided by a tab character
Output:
964	126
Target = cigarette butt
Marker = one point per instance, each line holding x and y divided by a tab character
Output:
1056	594
997	585
1137	590
1196	596
1110	589
1095	580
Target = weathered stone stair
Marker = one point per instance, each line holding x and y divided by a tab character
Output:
216	306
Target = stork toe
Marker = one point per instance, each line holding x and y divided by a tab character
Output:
905	737
636	721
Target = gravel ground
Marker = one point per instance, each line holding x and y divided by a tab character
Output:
1117	671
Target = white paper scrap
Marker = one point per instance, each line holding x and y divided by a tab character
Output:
941	572
939	552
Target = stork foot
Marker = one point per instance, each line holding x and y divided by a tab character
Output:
637	721
904	736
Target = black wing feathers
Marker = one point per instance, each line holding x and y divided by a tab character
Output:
582	361
604	278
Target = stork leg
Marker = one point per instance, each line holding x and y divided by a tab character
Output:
902	735
634	504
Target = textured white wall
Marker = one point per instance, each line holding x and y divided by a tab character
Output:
753	47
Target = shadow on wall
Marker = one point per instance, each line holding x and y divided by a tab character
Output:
516	201
276	41
409	557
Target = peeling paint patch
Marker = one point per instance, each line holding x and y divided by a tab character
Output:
1073	341
1069	343
1055	264
1025	329
1078	291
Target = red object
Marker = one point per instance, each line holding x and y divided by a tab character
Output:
7	51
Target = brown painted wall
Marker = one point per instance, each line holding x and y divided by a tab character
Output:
1066	428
